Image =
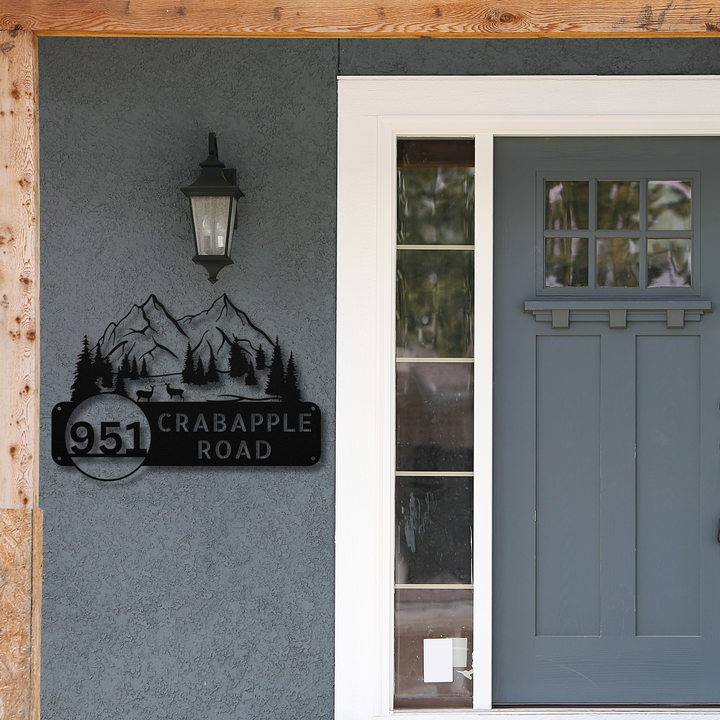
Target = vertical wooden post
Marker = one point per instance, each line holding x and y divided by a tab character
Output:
20	517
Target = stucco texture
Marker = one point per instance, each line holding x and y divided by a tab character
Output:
188	593
183	592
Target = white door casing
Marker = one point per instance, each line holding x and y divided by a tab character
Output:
373	113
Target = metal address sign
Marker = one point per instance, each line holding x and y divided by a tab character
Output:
193	391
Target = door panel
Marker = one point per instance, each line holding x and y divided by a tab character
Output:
568	486
667	485
606	499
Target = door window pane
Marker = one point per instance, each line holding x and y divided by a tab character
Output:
669	262
566	204
618	262
566	262
618	205
669	205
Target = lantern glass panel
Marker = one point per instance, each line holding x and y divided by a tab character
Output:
213	217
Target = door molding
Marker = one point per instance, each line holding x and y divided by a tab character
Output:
373	112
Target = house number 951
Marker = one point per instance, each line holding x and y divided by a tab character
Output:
107	437
82	432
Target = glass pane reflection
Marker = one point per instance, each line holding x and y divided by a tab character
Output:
566	204
421	614
436	192
669	205
618	205
618	262
669	262
434	303
566	262
435	416
433	531
211	216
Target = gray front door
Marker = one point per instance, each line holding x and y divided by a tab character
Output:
607	484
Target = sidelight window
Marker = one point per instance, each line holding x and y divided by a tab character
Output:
434	423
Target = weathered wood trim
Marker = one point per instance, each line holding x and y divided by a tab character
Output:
19	263
20	593
362	18
36	612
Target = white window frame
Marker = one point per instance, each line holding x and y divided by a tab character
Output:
373	113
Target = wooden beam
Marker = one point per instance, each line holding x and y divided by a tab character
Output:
20	581
19	343
20	519
363	18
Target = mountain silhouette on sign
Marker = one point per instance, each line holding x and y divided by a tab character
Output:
216	352
148	332
220	325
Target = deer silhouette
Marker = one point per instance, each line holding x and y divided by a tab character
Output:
147	394
172	392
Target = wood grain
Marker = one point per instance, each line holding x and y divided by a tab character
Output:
19	346
363	18
20	588
36	612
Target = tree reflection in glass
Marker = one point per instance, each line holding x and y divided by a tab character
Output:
618	205
669	205
435	205
566	204
669	262
434	303
566	262
618	262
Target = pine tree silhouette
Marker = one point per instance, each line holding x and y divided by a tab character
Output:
199	378
211	374
276	376
120	388
188	371
102	369
98	365
291	391
143	370
250	378
238	364
134	373
124	368
260	360
107	373
84	385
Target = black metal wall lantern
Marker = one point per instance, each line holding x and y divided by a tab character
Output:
213	203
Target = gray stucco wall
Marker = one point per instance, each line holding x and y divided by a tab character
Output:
181	593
